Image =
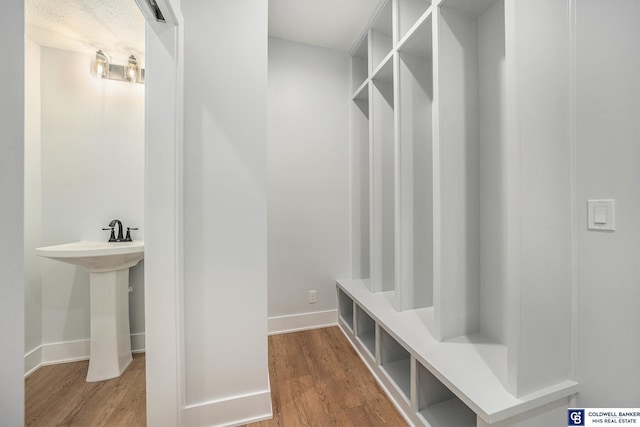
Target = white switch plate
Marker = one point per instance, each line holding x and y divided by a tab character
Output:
601	214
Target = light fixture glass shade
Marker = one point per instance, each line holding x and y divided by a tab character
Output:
102	65
131	71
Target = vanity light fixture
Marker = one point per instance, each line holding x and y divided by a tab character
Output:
125	73
132	70
102	65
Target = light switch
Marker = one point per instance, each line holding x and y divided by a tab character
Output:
601	214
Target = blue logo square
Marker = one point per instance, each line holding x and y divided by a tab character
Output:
575	417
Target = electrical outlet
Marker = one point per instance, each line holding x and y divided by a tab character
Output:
313	296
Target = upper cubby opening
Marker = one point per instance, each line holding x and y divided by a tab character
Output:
360	64
381	35
409	12
419	43
383	81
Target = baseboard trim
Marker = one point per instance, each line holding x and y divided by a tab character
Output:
231	411
64	352
32	361
69	351
302	322
138	343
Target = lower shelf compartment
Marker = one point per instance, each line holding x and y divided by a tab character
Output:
451	413
395	361
366	331
400	373
345	308
437	405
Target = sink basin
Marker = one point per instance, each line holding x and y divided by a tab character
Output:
108	266
96	257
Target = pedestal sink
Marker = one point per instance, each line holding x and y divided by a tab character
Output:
108	266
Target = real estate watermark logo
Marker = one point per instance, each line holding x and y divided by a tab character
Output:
575	417
599	416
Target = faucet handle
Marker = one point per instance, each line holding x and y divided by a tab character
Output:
128	236
112	238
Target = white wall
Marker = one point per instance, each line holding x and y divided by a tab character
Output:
12	212
308	176
225	210
32	198
92	172
608	166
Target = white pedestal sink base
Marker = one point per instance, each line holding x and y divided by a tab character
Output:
110	352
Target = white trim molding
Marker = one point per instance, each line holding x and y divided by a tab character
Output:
32	361
302	321
69	351
231	411
164	263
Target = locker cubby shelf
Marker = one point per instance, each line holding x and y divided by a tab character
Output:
409	12
362	95
420	41
466	366
346	309
382	183
360	64
450	413
360	151
396	363
472	180
381	36
366	331
414	234
442	248
437	405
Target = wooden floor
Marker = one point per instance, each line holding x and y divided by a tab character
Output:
58	395
316	377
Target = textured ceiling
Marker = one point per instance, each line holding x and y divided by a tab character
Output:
335	24
115	26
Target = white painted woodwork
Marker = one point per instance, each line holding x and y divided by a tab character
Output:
32	198
360	194
380	37
164	276
414	172
465	366
465	109
409	11
457	292
360	64
383	183
365	331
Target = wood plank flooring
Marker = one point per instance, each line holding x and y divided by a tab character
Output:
316	377
58	395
